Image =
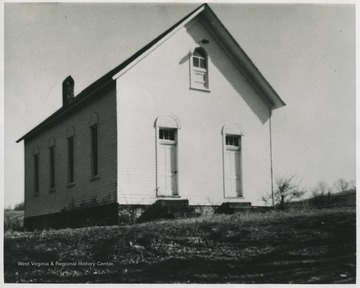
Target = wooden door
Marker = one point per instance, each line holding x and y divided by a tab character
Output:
167	169
232	173
232	166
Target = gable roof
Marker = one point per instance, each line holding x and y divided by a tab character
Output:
208	16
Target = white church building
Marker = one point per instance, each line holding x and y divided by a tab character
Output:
187	117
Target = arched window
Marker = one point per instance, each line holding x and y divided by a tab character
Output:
199	69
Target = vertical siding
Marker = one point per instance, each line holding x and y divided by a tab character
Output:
159	85
85	191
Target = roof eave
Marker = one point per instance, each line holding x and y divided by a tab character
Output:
111	75
79	99
239	55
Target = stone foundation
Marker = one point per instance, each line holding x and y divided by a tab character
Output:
91	216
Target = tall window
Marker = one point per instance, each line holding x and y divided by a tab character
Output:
199	70
52	167
36	174
94	150
52	163
70	163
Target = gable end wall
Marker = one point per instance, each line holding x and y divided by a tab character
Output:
159	85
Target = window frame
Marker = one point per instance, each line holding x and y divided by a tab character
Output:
167	141
52	181
195	71
235	141
36	158
94	153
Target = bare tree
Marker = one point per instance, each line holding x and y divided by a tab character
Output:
287	190
341	185
353	184
321	195
321	189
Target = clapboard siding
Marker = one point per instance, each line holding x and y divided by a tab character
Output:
159	85
85	192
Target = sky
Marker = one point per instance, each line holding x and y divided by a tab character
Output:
305	51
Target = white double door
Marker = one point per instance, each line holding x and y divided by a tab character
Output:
167	170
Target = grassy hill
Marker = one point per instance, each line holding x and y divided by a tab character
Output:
333	200
309	246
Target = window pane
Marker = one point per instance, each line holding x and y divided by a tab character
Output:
236	141
196	62
202	63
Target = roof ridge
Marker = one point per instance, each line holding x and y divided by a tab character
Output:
107	78
143	49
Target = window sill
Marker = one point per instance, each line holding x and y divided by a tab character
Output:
232	148
168	142
95	178
168	196
200	89
70	185
52	190
36	195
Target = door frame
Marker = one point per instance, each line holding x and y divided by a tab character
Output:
233	129
166	122
235	149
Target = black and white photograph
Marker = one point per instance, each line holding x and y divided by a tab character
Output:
179	142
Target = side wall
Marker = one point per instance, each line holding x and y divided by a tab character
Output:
86	192
159	85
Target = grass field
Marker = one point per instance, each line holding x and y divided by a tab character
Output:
307	246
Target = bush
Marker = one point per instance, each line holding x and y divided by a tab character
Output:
19	207
13	221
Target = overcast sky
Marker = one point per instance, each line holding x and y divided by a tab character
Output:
306	52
